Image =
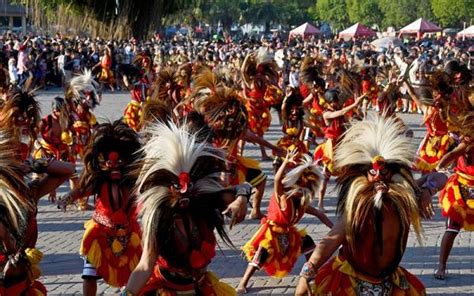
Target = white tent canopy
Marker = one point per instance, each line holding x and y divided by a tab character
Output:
468	32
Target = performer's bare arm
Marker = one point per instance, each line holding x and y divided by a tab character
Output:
451	156
308	99
324	250
72	196
142	272
237	203
416	98
56	173
429	184
320	215
277	184
253	138
343	111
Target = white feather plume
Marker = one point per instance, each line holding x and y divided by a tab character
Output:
174	149
264	56
84	82
374	136
292	177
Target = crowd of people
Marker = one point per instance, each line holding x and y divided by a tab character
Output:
165	174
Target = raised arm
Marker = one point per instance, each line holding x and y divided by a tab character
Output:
343	111
414	96
277	184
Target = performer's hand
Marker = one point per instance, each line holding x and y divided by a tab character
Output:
236	210
63	201
302	288
425	205
291	155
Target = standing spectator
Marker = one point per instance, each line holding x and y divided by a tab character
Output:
23	62
12	70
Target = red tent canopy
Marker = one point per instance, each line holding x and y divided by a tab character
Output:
420	26
357	30
305	30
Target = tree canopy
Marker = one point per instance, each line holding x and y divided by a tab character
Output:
140	17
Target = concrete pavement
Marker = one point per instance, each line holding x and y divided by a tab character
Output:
61	233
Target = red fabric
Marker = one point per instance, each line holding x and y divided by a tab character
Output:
435	125
120	216
283	217
335	129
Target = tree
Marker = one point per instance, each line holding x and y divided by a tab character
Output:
334	12
398	13
452	12
105	18
364	11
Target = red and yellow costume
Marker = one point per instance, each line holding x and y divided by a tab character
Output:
338	277
279	237
52	147
82	126
111	242
332	132
436	143
316	108
164	274
457	197
258	107
239	165
106	74
139	94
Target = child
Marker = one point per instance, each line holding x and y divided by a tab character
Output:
277	244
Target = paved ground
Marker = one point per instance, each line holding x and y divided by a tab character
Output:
61	233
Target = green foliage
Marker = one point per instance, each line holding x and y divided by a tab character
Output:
452	12
364	11
334	12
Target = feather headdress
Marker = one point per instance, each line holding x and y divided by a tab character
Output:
309	71
20	116
14	202
83	85
109	137
177	174
166	87
154	110
376	143
305	178
221	106
259	62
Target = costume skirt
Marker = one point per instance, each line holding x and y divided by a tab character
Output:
113	252
283	245
337	277
457	200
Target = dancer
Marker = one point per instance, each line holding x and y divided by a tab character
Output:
293	127
260	80
334	120
111	243
437	141
278	243
226	115
182	200
377	203
456	199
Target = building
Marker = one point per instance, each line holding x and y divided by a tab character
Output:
12	17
